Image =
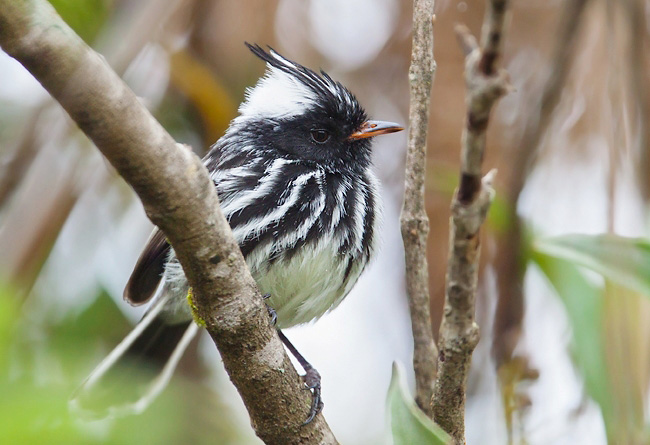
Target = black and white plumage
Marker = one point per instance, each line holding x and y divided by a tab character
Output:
294	178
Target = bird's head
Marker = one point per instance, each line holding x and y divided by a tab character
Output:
308	116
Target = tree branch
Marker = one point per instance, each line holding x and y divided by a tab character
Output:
414	221
459	333
180	198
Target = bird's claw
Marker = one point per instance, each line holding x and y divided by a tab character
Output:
312	382
311	379
271	311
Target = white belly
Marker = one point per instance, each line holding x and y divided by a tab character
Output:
306	286
302	288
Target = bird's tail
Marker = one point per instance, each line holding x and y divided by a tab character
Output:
137	370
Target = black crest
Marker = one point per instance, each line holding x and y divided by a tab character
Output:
334	97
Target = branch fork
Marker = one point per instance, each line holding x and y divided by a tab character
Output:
459	333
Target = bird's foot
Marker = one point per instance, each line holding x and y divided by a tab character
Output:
312	380
272	314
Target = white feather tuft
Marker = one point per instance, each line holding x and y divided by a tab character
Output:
277	95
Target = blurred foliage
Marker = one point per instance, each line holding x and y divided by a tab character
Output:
625	261
443	180
44	357
409	424
86	17
42	364
205	91
606	363
584	306
180	118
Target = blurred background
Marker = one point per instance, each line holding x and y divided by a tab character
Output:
564	356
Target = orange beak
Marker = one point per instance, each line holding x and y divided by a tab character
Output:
371	129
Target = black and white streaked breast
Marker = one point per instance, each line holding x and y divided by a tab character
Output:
306	221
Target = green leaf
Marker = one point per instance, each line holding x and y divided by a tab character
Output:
584	305
409	425
625	261
85	17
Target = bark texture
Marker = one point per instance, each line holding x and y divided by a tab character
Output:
180	198
459	333
414	220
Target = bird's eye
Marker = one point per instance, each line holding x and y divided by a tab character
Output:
320	136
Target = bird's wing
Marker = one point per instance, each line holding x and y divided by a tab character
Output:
148	270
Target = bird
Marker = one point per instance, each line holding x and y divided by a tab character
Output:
295	180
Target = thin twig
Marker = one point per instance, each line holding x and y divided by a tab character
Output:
179	197
492	36
459	332
414	220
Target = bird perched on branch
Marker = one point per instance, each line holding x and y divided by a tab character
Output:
294	177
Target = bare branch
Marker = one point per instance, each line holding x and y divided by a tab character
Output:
414	220
180	198
492	35
459	332
466	40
